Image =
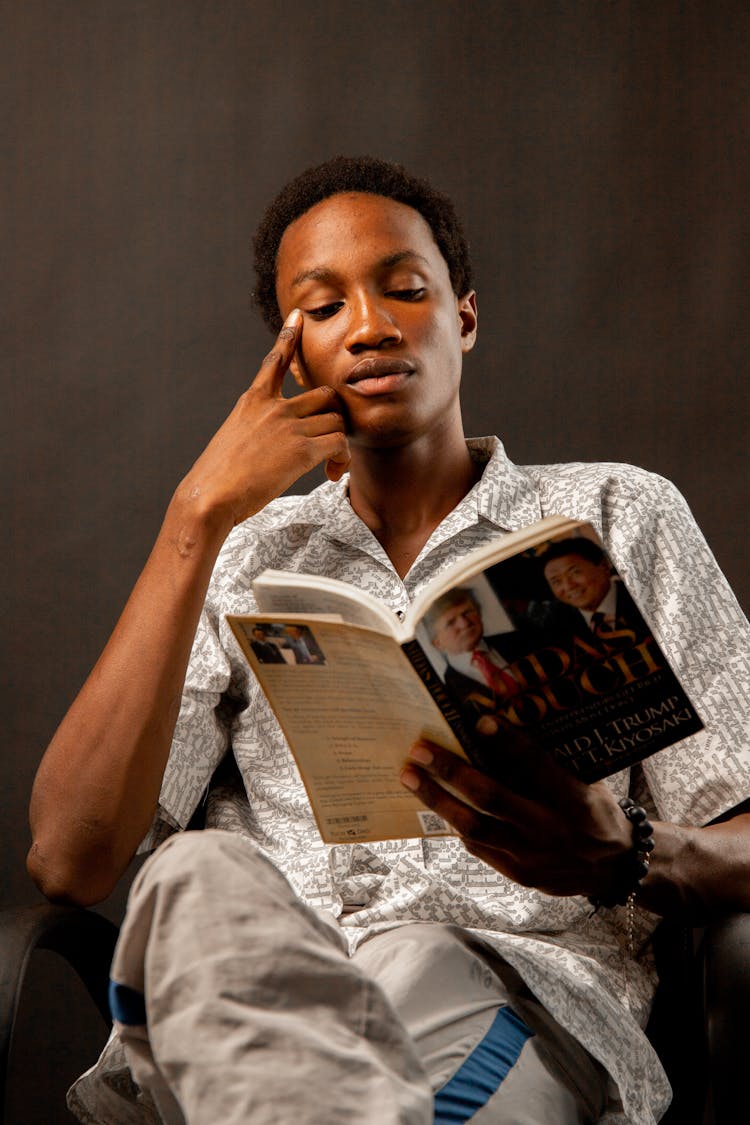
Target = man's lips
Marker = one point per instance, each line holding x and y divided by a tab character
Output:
379	374
377	367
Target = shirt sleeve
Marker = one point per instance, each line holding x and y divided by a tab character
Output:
671	572
201	735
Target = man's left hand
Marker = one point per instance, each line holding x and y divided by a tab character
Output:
542	827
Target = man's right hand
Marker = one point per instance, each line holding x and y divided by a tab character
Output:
268	441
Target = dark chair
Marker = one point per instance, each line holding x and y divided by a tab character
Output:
698	1025
83	938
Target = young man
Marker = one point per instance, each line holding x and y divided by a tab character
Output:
262	976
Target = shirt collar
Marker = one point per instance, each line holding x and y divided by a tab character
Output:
504	496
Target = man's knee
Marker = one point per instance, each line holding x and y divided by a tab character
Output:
217	882
213	862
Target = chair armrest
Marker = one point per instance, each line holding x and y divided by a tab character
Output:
726	950
84	939
676	1027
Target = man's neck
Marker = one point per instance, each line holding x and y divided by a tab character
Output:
404	493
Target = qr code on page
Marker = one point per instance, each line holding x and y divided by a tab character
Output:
434	825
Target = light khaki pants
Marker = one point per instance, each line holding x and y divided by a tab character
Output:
254	1013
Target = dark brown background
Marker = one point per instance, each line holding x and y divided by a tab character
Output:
599	154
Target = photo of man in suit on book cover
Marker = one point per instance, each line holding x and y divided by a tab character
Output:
595	603
478	671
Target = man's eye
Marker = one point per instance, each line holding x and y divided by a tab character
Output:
323	312
406	294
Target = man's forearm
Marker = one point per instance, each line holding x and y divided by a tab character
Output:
98	784
699	872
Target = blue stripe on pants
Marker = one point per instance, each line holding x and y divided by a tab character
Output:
126	1005
482	1072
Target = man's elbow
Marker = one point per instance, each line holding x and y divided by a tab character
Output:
72	884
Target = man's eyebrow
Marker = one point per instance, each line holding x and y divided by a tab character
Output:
401	256
328	274
318	273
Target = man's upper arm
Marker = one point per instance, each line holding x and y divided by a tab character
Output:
696	619
201	734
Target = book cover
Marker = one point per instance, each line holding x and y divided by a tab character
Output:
550	642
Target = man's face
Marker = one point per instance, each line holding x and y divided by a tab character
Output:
381	322
459	629
577	581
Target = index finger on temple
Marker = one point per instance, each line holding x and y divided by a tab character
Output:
276	363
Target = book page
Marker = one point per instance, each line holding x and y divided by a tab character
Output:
281	591
350	715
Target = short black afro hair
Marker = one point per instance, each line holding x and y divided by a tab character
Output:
355	173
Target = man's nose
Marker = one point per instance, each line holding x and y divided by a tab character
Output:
370	325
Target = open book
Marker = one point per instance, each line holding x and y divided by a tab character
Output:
535	632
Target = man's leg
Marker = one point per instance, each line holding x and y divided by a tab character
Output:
494	1055
253	1012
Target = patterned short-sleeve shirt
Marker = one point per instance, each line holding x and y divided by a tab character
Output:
574	962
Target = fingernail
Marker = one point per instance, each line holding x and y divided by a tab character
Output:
294	318
410	779
420	753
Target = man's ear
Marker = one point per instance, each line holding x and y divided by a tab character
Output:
467	315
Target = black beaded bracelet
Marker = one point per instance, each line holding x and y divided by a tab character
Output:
643	845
